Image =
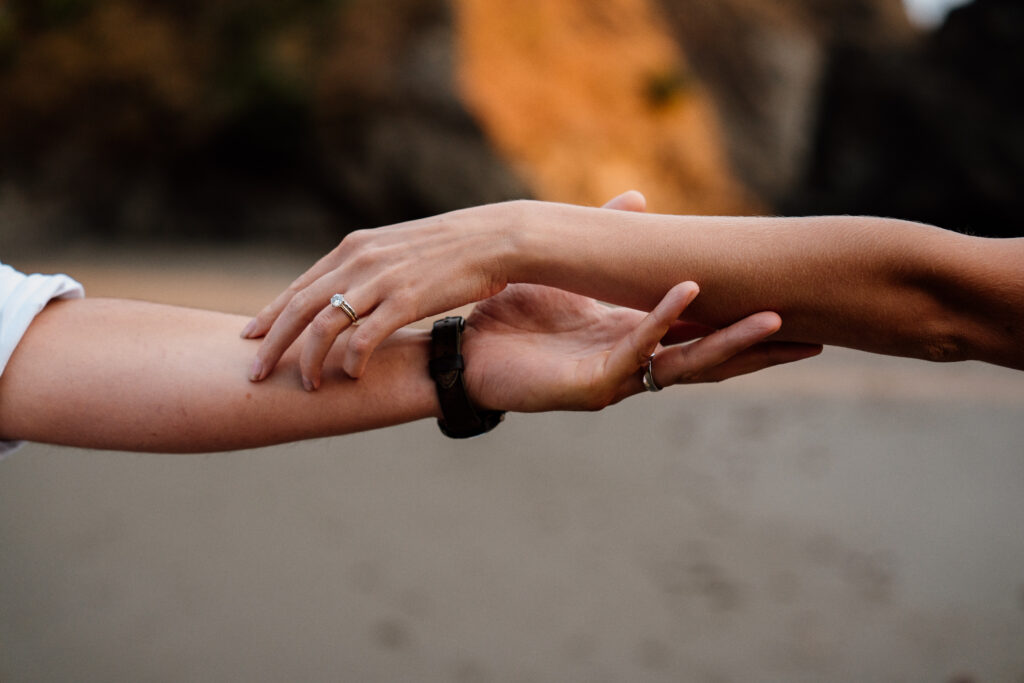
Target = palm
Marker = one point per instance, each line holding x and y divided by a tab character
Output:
538	348
534	348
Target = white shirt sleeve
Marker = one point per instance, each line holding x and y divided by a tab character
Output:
22	297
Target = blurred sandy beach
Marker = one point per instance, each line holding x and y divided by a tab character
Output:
848	518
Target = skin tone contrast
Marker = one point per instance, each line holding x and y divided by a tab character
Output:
875	284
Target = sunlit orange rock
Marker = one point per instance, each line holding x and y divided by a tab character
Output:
589	99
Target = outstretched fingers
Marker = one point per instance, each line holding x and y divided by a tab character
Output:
258	326
310	308
729	352
692	362
760	356
261	324
683	331
368	336
632	351
321	334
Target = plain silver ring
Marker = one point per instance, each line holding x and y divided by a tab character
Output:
339	301
649	383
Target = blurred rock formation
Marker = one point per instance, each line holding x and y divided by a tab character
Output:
223	119
298	120
841	106
930	130
764	62
590	99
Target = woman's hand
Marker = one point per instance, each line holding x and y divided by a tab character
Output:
391	276
533	348
394	276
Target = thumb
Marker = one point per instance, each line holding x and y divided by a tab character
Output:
628	201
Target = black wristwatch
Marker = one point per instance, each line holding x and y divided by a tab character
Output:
461	418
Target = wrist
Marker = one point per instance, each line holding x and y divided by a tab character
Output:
527	240
408	348
489	242
475	373
557	245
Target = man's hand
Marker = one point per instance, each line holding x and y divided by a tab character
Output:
533	348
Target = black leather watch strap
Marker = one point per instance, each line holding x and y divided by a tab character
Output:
461	418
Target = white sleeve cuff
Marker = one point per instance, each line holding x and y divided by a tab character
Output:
22	297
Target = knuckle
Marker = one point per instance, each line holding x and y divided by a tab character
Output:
301	304
366	257
321	328
353	240
360	343
295	304
403	300
687	376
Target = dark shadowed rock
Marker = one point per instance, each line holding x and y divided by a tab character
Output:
298	120
928	131
764	63
842	107
291	121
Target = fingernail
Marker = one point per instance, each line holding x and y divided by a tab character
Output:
306	384
256	373
248	329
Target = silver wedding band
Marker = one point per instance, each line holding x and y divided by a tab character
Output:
649	383
339	301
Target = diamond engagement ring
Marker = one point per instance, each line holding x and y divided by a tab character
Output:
339	301
649	383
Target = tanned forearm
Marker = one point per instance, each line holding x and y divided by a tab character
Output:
879	285
106	373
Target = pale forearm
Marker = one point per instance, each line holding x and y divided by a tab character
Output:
131	375
874	284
